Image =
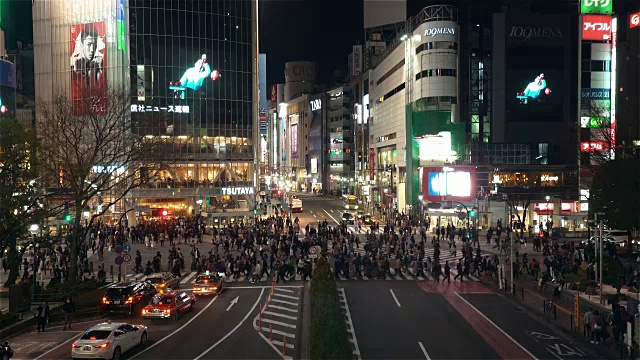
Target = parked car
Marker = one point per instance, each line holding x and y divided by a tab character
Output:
163	281
127	297
169	305
108	340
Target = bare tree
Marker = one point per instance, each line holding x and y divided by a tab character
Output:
95	156
518	201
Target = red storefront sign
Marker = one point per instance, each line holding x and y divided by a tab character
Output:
593	146
372	161
634	20
596	27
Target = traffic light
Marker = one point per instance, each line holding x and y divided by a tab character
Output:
472	213
255	211
68	218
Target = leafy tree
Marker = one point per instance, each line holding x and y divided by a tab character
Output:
94	157
19	197
615	191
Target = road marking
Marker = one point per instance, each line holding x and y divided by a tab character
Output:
280	343
188	277
177	330
286	296
336	221
57	347
284	357
285	302
233	302
497	327
234	329
276	323
424	351
284	290
280	315
283	308
354	341
261	287
395	298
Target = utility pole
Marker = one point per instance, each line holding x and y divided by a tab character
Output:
600	262
512	245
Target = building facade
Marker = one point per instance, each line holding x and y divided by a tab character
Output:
192	70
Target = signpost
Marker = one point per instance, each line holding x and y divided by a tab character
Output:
314	251
126	258
119	249
119	260
127	248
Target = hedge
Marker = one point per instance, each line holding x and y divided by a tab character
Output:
329	336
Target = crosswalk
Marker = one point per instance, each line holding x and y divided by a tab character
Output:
317	198
277	319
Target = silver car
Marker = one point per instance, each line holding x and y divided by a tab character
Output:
108	341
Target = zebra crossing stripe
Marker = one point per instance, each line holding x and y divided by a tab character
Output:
397	276
188	277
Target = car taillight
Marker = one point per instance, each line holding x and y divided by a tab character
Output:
166	311
75	346
213	288
102	346
144	311
129	300
196	288
105	300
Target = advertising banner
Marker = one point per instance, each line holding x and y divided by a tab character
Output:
294	141
372	163
634	20
140	82
443	183
596	6
596	27
357	60
7	74
88	61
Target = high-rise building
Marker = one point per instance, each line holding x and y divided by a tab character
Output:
191	66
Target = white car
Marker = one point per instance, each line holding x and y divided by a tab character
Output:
618	237
108	341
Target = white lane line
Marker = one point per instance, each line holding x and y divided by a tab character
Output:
354	341
284	308
285	302
280	343
261	287
284	290
278	332
278	351
177	330
336	221
497	327
395	298
280	315
291	326
424	351
286	296
188	277
234	329
57	347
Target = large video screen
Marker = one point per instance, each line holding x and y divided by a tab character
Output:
454	184
535	83
88	61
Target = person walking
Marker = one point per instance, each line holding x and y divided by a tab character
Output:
43	316
460	273
68	308
447	272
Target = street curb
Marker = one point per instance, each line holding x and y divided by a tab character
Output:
305	343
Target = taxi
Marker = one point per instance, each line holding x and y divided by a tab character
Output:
163	281
169	305
207	284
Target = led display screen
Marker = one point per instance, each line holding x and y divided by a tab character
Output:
439	184
88	61
535	81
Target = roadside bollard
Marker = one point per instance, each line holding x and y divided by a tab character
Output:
284	346
270	333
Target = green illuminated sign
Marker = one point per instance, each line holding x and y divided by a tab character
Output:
594	122
596	6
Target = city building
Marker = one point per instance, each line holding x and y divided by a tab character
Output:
160	50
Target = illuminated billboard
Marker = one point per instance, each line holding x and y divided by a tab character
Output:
194	77
535	90
88	61
443	183
596	6
294	141
634	20
596	27
593	146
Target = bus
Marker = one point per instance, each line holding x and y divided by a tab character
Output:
351	203
296	205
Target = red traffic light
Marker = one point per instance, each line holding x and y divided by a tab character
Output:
165	213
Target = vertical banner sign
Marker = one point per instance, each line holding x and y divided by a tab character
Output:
596	6
294	141
634	20
263	121
596	27
262	92
576	312
88	61
357	60
372	160
274	93
140	82
614	86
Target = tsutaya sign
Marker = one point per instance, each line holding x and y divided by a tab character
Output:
237	191
439	31
596	6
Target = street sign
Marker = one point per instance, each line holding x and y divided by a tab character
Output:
119	249
119	260
314	251
127	248
137	213
126	258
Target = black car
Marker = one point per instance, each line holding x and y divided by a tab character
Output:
127	298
